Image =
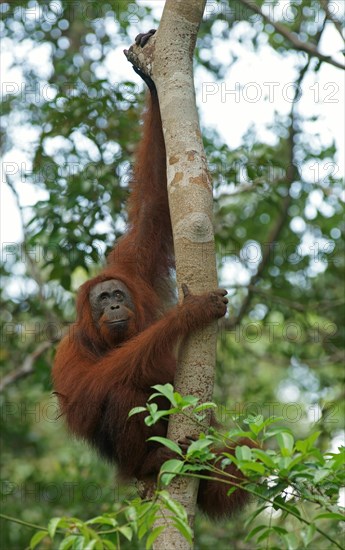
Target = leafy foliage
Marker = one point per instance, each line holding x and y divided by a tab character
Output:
280	478
282	474
135	521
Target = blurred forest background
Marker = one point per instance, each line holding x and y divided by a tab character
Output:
70	123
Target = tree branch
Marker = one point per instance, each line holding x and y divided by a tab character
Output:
26	368
303	308
330	17
168	58
306	47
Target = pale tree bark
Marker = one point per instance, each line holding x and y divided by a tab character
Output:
169	59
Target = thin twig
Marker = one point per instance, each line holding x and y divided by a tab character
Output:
325	304
330	17
26	368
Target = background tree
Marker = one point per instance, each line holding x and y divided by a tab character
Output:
70	125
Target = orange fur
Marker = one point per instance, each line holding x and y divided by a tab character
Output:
97	380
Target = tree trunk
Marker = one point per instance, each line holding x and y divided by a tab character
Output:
191	206
169	59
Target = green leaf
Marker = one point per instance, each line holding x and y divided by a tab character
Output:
264	535
264	457
199	445
295	461
254	532
331	515
279	530
173	505
36	539
321	474
167	390
305	445
155	416
186	401
243	452
338	460
167	443
169	470
204	406
152	408
255	514
148	518
253	466
102	520
308	534
153	535
273	433
230	459
235	433
256	424
184	529
286	443
126	531
136	410
93	544
108	544
53	525
68	542
291	540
